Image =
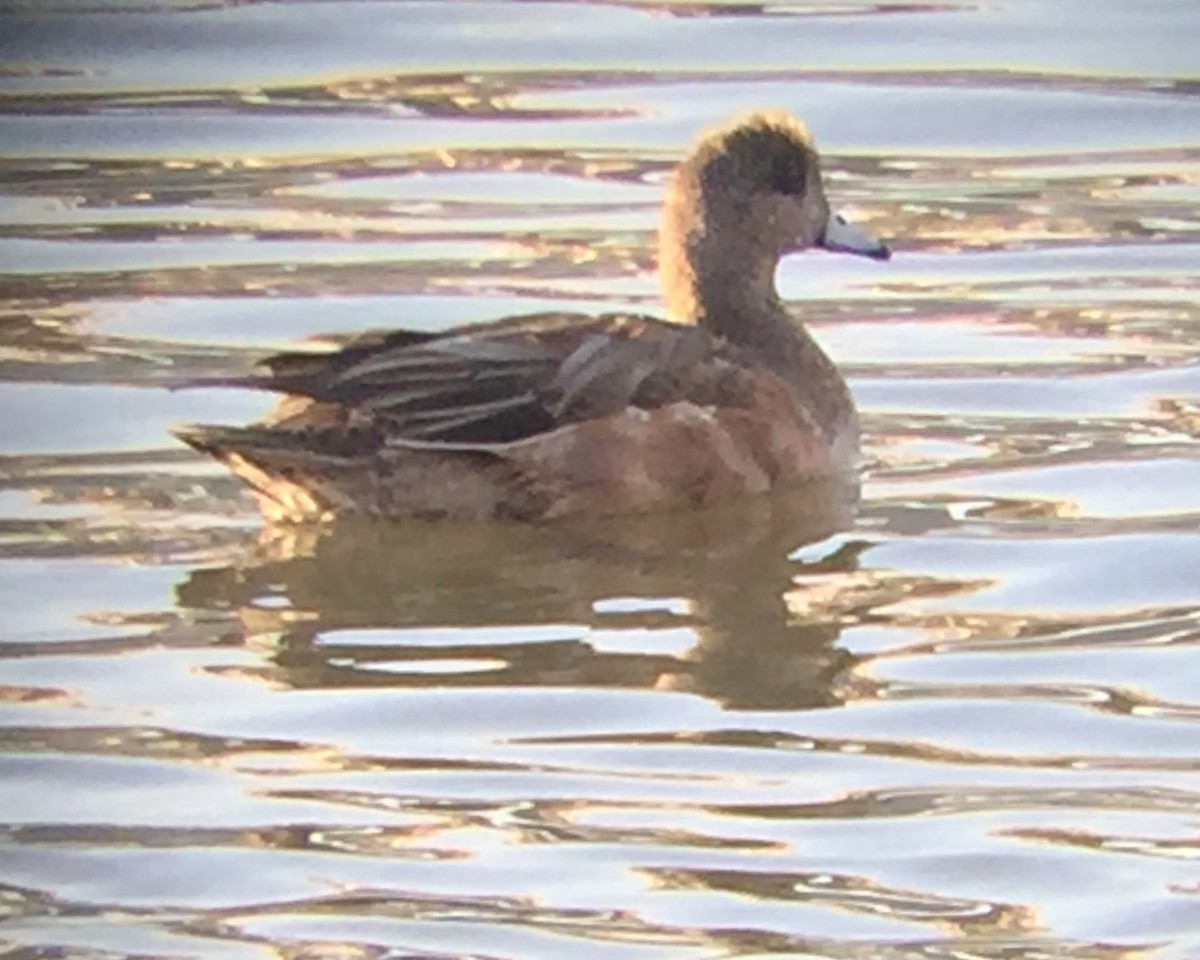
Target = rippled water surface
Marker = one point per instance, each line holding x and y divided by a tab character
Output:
961	720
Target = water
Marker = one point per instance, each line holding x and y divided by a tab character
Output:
960	721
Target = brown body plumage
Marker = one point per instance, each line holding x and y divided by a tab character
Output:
550	415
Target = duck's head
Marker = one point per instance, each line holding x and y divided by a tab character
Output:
748	193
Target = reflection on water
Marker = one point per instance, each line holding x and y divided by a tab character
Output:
679	602
955	720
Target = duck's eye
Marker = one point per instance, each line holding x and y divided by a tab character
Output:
791	184
787	175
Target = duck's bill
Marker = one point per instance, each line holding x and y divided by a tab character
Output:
843	237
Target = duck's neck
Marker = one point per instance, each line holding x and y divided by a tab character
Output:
728	294
727	286
717	270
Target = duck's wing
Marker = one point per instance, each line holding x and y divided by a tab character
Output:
515	379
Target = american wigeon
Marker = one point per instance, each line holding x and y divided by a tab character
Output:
542	416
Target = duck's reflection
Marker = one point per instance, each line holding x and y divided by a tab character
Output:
688	601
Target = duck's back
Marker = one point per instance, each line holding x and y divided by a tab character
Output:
533	417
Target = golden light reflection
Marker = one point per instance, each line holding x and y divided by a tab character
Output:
1158	847
755	754
950	916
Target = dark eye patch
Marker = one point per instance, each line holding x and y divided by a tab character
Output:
787	174
787	170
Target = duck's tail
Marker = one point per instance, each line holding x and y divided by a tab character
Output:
224	442
213	441
291	482
301	476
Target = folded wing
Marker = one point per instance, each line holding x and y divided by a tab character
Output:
516	379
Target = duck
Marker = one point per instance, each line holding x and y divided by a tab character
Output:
549	415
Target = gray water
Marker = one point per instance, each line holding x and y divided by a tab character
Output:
961	720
